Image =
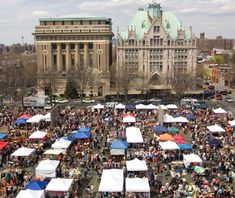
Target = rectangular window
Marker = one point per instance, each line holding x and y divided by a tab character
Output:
156	29
90	45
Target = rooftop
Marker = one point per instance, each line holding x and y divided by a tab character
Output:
76	19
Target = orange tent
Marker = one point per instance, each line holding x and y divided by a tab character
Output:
166	137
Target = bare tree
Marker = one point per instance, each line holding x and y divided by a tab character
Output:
125	81
47	82
180	82
85	77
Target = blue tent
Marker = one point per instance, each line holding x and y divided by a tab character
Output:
160	129
119	145
21	121
36	185
214	142
84	130
3	135
191	117
130	107
82	135
185	146
69	138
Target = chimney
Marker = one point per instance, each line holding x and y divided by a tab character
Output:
202	35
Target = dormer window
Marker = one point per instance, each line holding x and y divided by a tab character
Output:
156	29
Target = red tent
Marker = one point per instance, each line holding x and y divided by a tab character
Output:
180	141
25	116
178	137
3	144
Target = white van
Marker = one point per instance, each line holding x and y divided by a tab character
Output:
188	102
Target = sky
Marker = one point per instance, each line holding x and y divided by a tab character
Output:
19	17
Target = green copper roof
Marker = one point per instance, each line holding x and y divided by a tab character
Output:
76	19
171	24
141	24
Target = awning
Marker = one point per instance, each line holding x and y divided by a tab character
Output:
137	185
136	165
134	135
215	129
169	145
47	168
111	180
119	145
23	152
59	185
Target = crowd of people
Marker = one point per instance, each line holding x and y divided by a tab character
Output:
167	175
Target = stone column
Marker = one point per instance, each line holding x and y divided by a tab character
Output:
59	57
76	56
68	57
85	54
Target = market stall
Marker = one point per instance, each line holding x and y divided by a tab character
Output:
31	194
133	135
47	168
129	118
169	145
111	180
191	158
215	129
139	186
118	147
136	165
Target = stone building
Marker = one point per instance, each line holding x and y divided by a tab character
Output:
156	45
66	43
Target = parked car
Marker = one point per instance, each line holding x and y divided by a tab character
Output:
224	92
229	99
219	97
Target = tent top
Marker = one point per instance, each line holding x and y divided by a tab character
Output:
3	135
133	135
37	135
119	145
166	136
120	106
168	145
172	106
61	144
48	164
191	158
215	128
159	129
54	151
136	165
3	144
185	146
30	194
59	185
23	152
219	111
111	180
137	185
36	185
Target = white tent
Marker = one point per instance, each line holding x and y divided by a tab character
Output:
140	106
59	185
35	119
47	117
111	180
168	119
232	123
37	135
120	106
191	158
61	144
181	119
151	106
137	185
54	151
136	165
31	194
162	107
117	151
215	128
47	168
23	152
98	106
133	135
129	118
172	106
219	111
169	145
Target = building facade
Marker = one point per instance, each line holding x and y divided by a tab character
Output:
206	45
156	45
63	44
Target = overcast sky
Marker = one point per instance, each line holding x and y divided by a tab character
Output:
19	17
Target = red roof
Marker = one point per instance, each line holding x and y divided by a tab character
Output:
3	144
131	115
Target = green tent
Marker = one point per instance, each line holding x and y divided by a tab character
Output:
173	130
